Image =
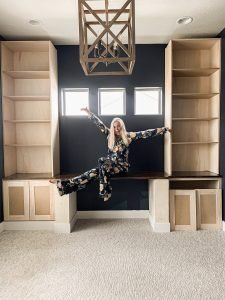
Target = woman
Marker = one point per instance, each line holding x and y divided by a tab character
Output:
115	162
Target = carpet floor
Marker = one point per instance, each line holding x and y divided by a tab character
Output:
112	259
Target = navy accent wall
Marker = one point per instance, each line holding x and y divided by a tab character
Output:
1	148
82	143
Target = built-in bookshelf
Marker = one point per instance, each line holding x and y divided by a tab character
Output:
30	107
192	105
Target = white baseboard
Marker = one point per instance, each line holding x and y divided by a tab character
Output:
62	228
73	221
151	221
39	225
159	227
113	214
68	227
223	223
65	227
1	227
28	225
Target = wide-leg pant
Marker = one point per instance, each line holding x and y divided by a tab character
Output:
106	169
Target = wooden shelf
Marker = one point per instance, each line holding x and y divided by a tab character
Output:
27	46
193	143
194	95
27	74
28	176
194	72
194	44
197	174
31	145
28	98
194	119
27	121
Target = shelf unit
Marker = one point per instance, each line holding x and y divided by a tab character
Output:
30	107
192	110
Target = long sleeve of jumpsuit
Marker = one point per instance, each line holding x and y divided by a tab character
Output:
147	133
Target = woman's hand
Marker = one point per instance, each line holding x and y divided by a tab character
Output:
166	129
86	110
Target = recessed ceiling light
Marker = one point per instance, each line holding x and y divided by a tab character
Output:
34	22
184	20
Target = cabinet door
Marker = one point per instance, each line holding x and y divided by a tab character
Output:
41	200
182	210
209	208
16	200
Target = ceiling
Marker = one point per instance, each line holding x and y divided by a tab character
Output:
155	20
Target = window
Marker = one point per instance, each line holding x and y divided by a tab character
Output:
73	100
148	101
111	101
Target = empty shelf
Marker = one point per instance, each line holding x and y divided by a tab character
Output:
27	74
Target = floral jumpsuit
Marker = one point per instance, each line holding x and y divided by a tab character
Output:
115	162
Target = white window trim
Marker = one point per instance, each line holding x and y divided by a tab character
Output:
63	100
108	90
150	89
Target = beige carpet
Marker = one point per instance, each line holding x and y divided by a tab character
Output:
112	259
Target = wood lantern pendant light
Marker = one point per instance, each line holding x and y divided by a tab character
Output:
107	37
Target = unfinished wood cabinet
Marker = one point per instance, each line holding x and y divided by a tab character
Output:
30	108
182	210
209	208
195	201
41	200
192	105
28	200
16	200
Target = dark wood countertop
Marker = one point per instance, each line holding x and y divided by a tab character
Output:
180	174
134	175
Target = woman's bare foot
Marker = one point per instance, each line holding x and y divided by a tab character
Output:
53	180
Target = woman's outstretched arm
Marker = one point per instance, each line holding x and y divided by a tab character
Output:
96	121
148	133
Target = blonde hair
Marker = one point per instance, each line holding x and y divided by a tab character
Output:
111	136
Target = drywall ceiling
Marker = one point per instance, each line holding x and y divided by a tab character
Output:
155	20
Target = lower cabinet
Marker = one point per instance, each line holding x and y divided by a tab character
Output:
182	210
28	200
209	208
195	209
16	200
